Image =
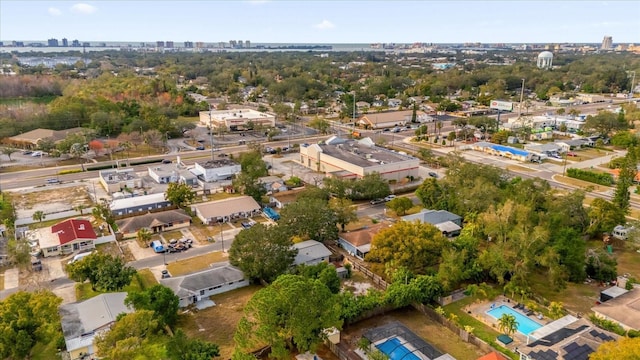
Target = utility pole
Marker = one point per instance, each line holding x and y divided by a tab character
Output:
521	98
211	132
633	81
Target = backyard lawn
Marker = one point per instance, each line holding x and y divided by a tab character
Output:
218	324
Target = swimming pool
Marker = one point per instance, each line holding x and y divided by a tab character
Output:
394	349
525	325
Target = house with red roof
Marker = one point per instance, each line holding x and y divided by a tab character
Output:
66	237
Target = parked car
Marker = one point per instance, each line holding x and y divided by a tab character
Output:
37	153
432	174
52	181
389	197
201	147
165	274
571	154
166	161
376	201
27	152
248	224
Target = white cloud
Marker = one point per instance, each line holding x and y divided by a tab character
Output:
54	11
81	8
325	24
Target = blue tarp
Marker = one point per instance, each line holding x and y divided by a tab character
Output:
510	150
271	214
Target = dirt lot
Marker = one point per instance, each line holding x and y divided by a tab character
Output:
50	200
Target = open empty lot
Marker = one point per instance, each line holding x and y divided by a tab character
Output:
50	200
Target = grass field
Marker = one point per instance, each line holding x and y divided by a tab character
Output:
183	267
218	324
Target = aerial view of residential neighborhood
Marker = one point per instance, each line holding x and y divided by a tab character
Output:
316	191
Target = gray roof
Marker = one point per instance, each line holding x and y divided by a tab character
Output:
119	204
80	320
362	153
310	251
188	285
433	217
136	223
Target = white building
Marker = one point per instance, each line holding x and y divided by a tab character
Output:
311	252
236	119
197	286
172	173
545	60
356	158
216	170
115	180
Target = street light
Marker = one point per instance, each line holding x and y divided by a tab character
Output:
222	236
211	132
521	98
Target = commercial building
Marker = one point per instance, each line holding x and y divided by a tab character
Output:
30	139
114	180
391	118
356	158
83	321
139	204
236	119
216	170
214	212
172	173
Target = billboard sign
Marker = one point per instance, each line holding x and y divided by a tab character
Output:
501	105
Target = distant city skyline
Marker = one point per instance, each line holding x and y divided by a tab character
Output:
280	21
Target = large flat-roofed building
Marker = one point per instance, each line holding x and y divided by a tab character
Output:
115	180
216	170
356	158
226	210
390	119
139	204
236	119
172	173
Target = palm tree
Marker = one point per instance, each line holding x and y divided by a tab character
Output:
80	208
507	324
39	215
143	235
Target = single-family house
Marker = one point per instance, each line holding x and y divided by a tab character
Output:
114	180
358	242
281	199
565	338
172	173
139	204
83	321
449	223
66	237
216	170
156	222
226	210
623	309
311	252
548	148
394	103
273	184
573	144
195	287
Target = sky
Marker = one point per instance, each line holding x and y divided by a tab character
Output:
310	21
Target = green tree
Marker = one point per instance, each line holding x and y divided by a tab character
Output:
144	236
310	307
39	215
320	124
179	194
322	271
248	185
431	194
251	163
604	216
309	218
102	211
414	245
622	197
400	205
8	151
601	266
27	318
345	211
508	324
159	299
371	186
261	252
556	310
103	271
181	347
622	349
131	337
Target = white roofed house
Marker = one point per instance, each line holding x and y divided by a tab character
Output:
83	321
311	252
172	173
197	286
226	210
449	223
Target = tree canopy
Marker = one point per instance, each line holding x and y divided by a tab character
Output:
310	307
179	194
159	299
105	272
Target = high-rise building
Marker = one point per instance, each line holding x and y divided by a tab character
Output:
188	44
75	43
160	44
232	44
200	45
607	43
52	42
247	44
65	42
169	44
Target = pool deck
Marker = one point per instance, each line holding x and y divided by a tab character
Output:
479	312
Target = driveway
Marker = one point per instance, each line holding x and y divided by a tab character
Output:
11	278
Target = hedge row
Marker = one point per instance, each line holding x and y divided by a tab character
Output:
140	162
594	177
70	171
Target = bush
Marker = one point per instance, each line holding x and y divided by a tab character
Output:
70	171
608	325
591	176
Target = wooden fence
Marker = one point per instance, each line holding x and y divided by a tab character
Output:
376	279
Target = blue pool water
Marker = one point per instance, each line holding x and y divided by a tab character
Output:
394	349
525	325
510	149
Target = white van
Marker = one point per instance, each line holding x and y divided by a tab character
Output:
621	232
80	257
